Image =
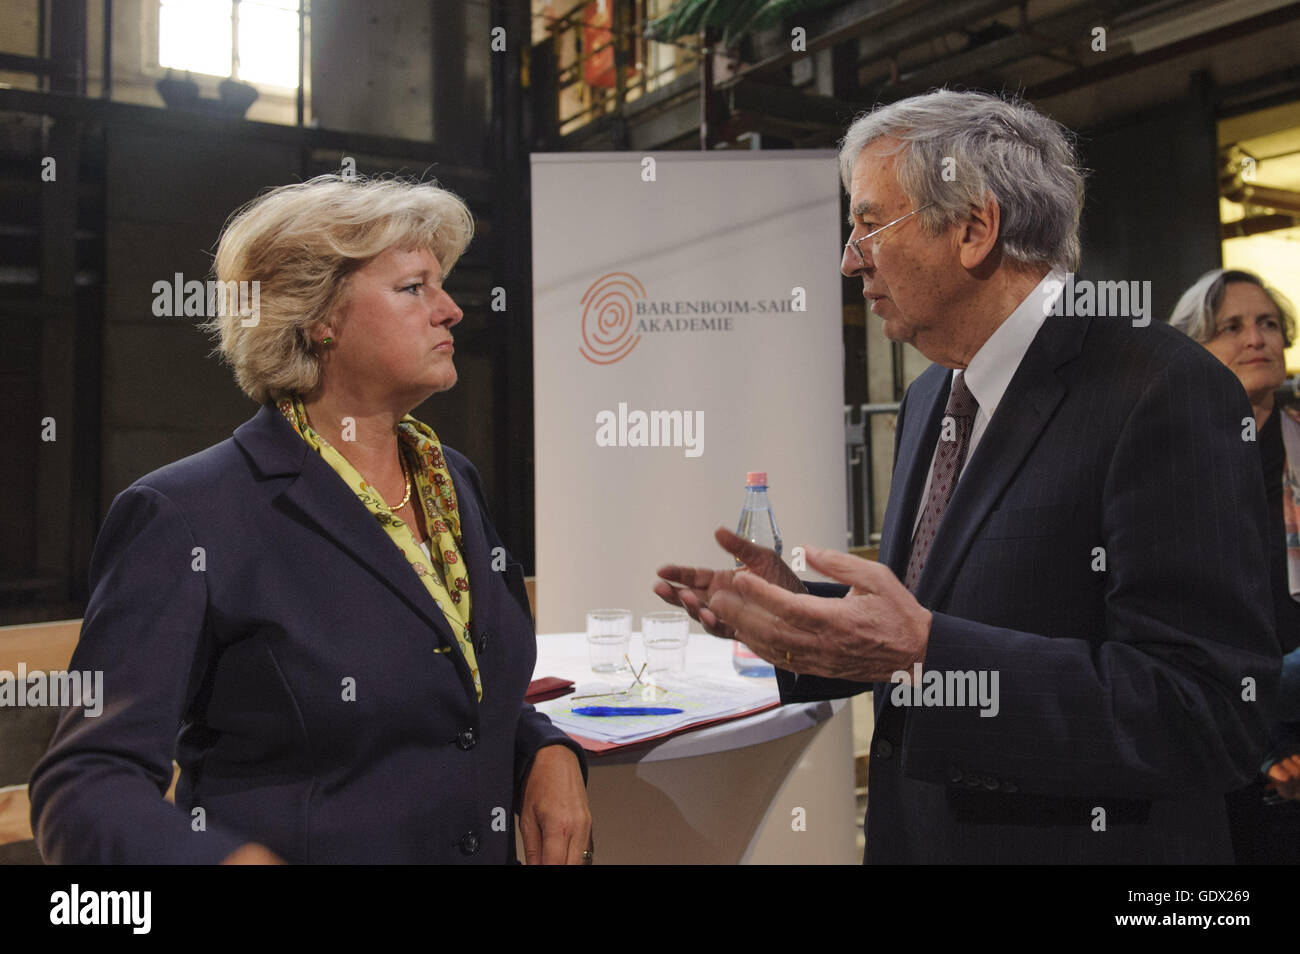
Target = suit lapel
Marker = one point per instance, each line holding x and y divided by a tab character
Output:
926	400
1025	408
323	500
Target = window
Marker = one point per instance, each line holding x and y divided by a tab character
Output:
251	40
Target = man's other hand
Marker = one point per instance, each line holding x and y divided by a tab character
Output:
696	586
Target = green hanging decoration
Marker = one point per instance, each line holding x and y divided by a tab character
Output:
733	19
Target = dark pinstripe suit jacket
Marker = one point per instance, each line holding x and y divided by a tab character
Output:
300	590
1122	720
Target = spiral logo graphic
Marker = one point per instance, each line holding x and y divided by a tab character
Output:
607	320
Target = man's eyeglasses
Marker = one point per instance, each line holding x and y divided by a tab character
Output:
856	243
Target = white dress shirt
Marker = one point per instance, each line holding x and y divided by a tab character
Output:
994	365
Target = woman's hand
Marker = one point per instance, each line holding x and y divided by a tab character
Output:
555	820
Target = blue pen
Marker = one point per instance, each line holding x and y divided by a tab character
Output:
624	710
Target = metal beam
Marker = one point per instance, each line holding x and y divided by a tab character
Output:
837	26
34	65
80	109
952	16
802	110
1047	34
1128	64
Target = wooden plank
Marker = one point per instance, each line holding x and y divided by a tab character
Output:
41	646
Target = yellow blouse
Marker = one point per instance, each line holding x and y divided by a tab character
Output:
447	579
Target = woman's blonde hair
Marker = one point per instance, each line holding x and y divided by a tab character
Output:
300	243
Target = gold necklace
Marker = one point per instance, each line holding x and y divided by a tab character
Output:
401	459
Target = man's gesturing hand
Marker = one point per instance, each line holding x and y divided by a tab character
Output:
876	630
697	585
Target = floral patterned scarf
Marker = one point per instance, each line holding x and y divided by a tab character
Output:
447	579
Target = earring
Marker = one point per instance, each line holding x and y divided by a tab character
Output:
327	341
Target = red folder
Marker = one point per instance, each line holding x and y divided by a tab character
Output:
548	687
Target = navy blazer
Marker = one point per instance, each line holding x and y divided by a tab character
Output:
246	598
1135	680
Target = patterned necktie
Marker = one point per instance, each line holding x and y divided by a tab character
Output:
954	441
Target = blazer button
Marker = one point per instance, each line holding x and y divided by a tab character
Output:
481	644
1010	788
990	783
955	775
883	749
467	740
971	779
469	843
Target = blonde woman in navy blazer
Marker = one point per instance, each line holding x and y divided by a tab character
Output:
316	618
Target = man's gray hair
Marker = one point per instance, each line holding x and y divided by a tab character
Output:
959	148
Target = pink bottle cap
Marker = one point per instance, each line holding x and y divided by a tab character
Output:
756	478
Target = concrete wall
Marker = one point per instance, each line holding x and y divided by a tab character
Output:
163	397
371	67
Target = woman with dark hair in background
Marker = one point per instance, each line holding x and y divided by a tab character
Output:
1248	325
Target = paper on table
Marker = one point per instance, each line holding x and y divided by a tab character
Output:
701	698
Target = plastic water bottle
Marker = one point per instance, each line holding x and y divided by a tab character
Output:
757	525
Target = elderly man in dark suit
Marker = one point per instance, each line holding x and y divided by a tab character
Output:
1069	633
